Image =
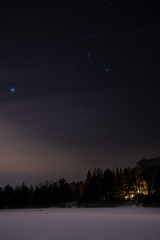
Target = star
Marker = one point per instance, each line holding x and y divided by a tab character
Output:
89	54
12	90
110	3
86	38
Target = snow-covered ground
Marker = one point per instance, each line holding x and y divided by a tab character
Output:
121	223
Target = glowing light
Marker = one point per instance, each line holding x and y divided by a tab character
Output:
12	90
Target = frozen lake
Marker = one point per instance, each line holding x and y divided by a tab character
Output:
121	223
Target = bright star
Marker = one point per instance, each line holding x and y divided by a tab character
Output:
12	90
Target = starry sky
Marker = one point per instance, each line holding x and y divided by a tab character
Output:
79	87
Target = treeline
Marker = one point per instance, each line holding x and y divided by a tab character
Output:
141	184
41	195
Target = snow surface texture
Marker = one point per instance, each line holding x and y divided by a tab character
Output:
121	223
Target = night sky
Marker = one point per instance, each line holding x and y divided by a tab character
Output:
79	87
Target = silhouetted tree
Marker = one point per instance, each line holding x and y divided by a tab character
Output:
141	182
108	184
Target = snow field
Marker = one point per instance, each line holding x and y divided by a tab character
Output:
121	223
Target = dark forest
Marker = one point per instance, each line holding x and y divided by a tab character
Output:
140	184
